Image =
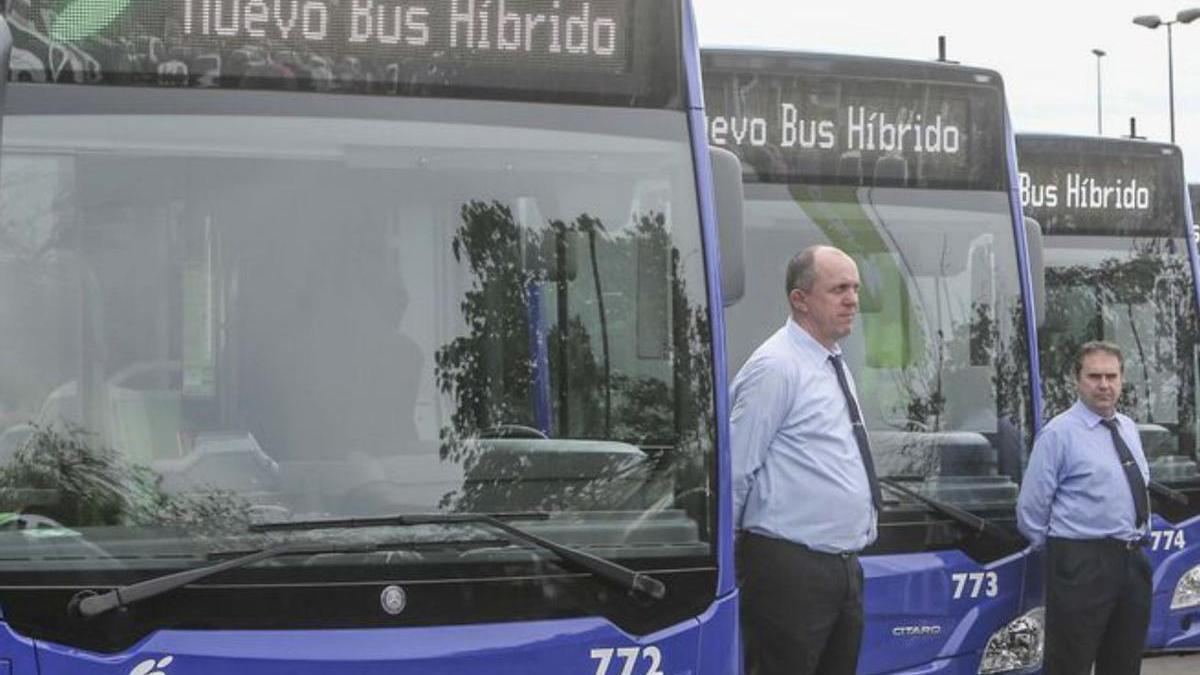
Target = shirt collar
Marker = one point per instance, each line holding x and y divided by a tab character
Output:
807	343
1089	416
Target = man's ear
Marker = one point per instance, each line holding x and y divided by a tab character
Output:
797	300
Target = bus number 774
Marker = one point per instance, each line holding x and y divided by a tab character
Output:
1165	540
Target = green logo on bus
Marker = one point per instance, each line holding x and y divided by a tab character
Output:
80	19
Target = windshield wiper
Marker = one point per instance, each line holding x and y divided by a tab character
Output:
616	573
1163	492
88	604
963	517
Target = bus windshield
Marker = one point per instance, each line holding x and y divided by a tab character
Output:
1113	216
938	350
291	261
344	316
284	263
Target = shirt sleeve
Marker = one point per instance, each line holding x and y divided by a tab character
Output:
1038	487
761	393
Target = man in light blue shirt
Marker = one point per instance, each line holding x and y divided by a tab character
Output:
804	486
1084	498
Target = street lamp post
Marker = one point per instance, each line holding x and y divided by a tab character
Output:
1099	115
1152	21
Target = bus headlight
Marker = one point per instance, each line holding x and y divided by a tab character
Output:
1187	591
1016	646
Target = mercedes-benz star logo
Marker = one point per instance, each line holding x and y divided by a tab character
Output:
393	599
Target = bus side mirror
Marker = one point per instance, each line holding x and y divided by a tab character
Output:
1037	268
727	192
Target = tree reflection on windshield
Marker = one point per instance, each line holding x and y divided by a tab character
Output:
65	474
536	362
951	369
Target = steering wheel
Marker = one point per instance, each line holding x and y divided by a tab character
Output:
909	425
513	431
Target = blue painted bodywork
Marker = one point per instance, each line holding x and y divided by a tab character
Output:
564	646
17	653
712	263
1023	259
1172	553
914	622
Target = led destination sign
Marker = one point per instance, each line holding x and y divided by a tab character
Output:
863	129
1072	190
555	29
1080	191
625	50
857	131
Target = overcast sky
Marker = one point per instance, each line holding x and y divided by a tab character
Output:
1043	48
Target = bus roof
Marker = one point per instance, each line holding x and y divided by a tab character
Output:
845	65
1085	143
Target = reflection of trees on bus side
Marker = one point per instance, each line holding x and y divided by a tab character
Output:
504	367
1150	294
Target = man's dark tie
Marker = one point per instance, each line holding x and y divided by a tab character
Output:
860	431
1133	474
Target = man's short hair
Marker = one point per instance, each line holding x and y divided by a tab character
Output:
1094	346
802	270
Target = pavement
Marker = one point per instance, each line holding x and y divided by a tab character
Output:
1172	665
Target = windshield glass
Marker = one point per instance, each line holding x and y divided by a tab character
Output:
1136	292
937	352
1118	269
220	319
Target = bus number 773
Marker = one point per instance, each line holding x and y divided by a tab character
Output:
977	584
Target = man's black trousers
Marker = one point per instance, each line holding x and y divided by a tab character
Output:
1098	594
801	610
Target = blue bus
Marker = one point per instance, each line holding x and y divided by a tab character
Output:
361	336
909	168
1120	266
